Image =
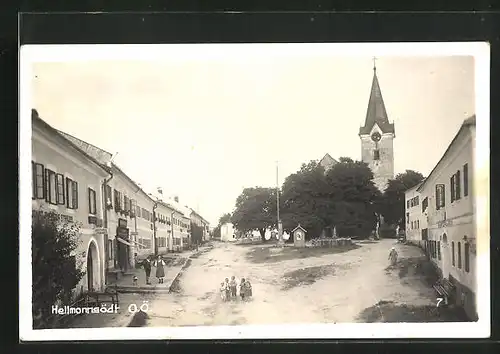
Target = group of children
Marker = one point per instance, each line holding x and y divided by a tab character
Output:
228	289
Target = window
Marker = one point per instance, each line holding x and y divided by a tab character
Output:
440	196
418	224
38	180
466	180
138	211
126	205
466	257
453	253
71	194
376	154
92	202
118	200
417	201
425	204
133	207
459	253
408	204
110	249
457	185
439	250
60	189
51	193
407	218
109	196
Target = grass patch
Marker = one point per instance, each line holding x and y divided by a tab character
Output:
306	276
270	254
388	311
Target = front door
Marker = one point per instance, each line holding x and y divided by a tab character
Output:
445	256
90	271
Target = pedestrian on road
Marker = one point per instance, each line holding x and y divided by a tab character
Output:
248	288
393	256
228	288
146	264
160	271
233	286
223	291
242	289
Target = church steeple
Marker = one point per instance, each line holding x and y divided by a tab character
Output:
376	112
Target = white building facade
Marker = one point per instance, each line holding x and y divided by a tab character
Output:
227	232
451	238
415	219
68	181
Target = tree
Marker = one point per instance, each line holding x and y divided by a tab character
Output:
255	209
224	219
305	200
55	270
392	204
353	198
196	233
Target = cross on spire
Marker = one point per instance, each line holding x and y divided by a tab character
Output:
374	64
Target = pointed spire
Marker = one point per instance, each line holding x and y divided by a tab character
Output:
376	112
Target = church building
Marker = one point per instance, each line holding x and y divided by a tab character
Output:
377	136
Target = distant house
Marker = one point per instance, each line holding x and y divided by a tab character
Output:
328	162
227	232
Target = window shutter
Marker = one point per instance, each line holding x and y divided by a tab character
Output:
457	185
68	186
438	204
33	180
47	186
466	180
90	200
443	197
452	188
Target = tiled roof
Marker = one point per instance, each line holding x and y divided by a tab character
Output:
35	119
376	112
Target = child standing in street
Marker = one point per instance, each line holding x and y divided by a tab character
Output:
248	288
228	288
242	289
233	286
223	291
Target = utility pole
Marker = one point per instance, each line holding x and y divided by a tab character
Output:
280	226
154	228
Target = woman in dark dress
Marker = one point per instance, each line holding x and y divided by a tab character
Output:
160	271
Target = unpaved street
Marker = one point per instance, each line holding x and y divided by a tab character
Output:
357	279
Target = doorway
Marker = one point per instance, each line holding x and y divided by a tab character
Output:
92	267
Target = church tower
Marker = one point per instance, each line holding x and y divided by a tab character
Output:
377	137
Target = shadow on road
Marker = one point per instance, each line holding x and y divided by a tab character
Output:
388	311
306	276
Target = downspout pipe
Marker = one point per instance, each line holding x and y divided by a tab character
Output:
105	221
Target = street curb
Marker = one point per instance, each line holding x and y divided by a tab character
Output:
170	288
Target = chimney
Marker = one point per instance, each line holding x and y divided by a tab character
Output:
176	198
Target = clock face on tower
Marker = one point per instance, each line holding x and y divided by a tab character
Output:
376	136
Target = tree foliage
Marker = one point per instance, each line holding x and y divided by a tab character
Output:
196	233
344	198
255	210
392	204
224	219
55	269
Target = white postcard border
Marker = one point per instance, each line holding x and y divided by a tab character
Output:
59	53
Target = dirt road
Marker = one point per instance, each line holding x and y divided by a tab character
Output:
351	282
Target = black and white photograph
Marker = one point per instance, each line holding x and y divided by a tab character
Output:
206	191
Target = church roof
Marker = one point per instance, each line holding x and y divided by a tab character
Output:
376	112
327	162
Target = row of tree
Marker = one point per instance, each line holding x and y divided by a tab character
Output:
343	197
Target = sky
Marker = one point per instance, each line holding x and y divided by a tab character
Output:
204	129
